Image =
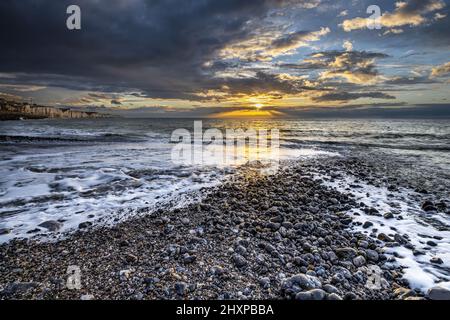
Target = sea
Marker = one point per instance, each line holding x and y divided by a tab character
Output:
108	170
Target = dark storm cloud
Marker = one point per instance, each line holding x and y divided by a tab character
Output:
155	46
275	85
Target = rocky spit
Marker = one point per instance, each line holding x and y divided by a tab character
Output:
257	236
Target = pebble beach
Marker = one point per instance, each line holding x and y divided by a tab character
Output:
287	235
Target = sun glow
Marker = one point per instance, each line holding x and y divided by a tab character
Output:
258	106
248	114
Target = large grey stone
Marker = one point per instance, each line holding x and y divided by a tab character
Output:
438	293
303	281
51	225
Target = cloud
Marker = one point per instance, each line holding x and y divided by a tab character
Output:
441	70
154	47
10	97
295	40
439	16
208	52
346	96
387	110
21	88
262	84
408	80
347	45
410	13
308	4
353	66
161	49
266	46
95	99
393	31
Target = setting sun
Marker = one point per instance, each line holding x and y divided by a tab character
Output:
247	113
259	106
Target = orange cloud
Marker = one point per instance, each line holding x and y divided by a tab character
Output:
441	70
406	13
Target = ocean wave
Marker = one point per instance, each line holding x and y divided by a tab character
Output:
107	137
369	135
31	139
411	135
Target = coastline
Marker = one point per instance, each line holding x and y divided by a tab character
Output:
13	110
285	236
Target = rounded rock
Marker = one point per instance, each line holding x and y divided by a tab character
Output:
359	261
438	293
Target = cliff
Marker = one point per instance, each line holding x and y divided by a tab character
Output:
17	110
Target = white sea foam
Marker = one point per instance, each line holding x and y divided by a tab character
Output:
418	226
101	183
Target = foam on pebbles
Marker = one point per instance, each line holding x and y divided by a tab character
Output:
414	229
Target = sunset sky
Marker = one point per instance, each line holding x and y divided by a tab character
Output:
228	57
